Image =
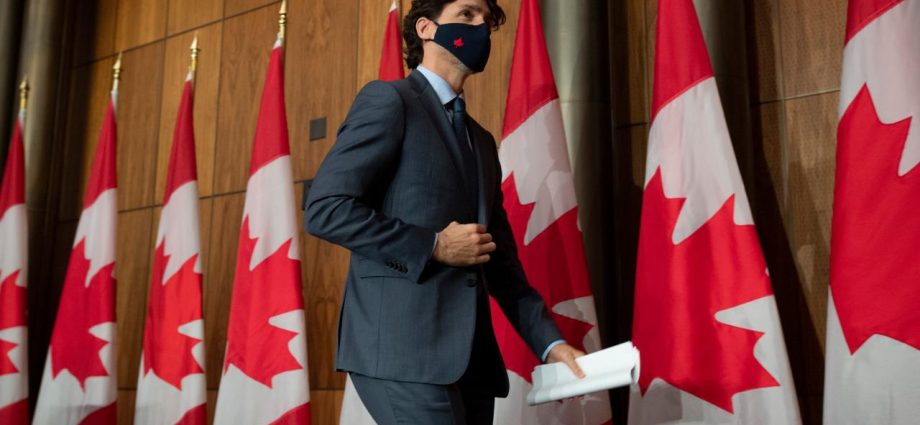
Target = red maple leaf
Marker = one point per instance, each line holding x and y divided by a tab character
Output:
554	263
13	313
172	304
81	307
679	290
875	276
458	43
258	348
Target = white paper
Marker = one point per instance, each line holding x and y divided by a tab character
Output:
613	367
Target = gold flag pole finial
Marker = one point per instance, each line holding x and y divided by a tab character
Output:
116	73
193	66
23	94
282	19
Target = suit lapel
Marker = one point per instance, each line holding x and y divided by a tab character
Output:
432	106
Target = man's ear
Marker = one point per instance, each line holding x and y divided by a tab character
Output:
425	28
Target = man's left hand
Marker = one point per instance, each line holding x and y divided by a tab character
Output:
567	354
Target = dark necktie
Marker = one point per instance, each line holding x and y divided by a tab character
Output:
458	118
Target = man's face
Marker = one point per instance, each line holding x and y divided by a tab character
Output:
473	12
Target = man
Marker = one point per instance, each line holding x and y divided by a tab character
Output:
415	331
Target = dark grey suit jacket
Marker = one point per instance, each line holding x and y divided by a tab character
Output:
392	180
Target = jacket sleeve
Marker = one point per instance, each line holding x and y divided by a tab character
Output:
357	170
508	284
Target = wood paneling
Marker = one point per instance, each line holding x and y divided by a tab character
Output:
812	44
235	7
184	14
765	56
247	43
205	103
325	406
125	407
769	136
88	100
133	251
139	22
811	130
320	75
138	117
372	19
226	216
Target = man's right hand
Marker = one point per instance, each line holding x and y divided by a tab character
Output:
461	245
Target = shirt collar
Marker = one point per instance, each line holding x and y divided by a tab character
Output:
444	91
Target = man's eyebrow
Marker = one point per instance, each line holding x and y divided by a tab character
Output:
476	8
473	7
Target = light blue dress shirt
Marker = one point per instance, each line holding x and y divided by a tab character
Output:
446	94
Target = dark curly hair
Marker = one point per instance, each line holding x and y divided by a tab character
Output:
432	9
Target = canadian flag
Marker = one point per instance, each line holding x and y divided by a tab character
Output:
705	318
171	387
872	372
79	382
391	59
265	366
14	372
539	198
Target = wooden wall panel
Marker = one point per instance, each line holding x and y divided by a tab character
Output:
812	44
125	407
138	121
139	22
88	100
184	14
247	43
320	75
772	151
236	7
765	56
325	406
205	103
372	19
133	252
811	127
226	216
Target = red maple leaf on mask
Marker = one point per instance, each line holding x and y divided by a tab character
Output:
875	276
679	290
258	348
11	315
82	306
172	304
555	266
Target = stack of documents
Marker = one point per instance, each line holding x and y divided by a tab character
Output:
612	367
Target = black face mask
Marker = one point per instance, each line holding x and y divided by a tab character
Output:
469	43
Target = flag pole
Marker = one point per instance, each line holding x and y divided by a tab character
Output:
282	20
116	73
194	50
23	94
